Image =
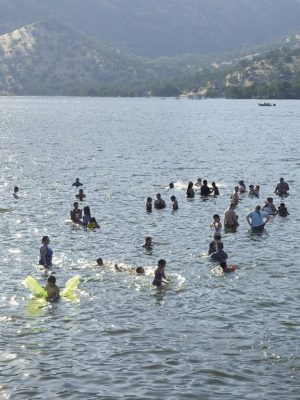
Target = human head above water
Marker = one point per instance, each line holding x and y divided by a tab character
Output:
87	210
99	261
162	263
140	270
223	264
45	239
171	186
52	279
257	208
205	182
16	189
220	246
216	216
173	198
149	199
158	196
75	204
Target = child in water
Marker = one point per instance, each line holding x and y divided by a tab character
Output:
93	223
282	210
160	274
15	193
175	203
218	227
148	243
86	216
212	248
225	269
52	289
149	204
139	270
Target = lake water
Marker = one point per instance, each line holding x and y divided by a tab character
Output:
203	336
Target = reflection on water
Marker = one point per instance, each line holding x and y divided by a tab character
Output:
224	336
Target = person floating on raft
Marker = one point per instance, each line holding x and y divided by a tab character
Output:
51	291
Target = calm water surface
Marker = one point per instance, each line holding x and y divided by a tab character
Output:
203	336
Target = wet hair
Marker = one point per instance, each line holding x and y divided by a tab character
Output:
80	190
251	186
212	244
213	184
241	183
16	188
87	210
52	279
171	185
45	238
216	216
75	202
149	198
161	262
223	264
282	205
99	261
139	270
173	198
92	219
158	194
190	186
205	182
220	246
269	199
148	238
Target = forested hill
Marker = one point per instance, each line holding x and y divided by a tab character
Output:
163	28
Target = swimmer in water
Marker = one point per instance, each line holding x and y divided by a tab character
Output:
77	183
242	187
225	269
212	248
171	186
86	216
230	218
92	224
205	190
51	289
190	193
160	274
175	203
148	243
199	182
217	226
215	189
149	204
252	191
46	253
282	210
76	213
15	193
159	203
234	195
100	262
80	195
138	270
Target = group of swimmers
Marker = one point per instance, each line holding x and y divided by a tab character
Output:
85	219
257	219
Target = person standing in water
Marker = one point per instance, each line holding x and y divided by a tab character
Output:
77	183
76	213
149	204
190	193
282	187
205	190
215	189
230	218
159	203
46	253
217	226
234	195
255	219
15	193
175	203
160	274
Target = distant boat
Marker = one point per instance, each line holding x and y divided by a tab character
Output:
266	104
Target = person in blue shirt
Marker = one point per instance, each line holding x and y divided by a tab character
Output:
256	218
77	183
